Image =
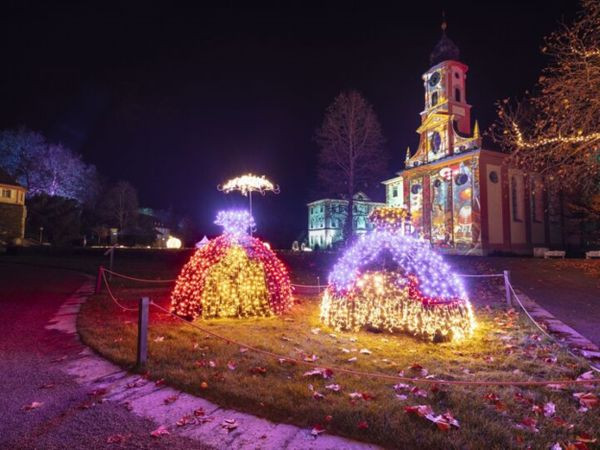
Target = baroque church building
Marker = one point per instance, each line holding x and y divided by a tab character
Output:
463	198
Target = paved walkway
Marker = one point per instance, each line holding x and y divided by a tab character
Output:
32	360
566	291
86	400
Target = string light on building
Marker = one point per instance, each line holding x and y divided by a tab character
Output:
391	281
233	275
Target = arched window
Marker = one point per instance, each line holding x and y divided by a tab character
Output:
434	99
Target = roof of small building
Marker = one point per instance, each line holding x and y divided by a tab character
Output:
5	178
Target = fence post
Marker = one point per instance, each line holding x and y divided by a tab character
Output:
142	344
99	280
507	287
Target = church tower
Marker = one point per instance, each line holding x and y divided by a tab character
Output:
446	119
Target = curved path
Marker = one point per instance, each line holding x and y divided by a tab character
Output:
86	401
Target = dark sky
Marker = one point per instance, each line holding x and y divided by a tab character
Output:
178	99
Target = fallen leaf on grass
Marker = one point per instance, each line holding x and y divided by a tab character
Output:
159	339
419	410
353	359
229	424
333	387
32	405
317	430
231	365
401	386
365	351
311	358
319	371
587	399
362	425
160	431
318	396
48	386
159	382
444	421
528	423
243	349
171	399
258	371
418	392
62	358
186	420
315	330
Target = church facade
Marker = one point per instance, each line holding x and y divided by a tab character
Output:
463	198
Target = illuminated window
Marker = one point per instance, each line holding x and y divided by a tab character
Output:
6	193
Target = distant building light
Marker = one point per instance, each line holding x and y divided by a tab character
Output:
173	242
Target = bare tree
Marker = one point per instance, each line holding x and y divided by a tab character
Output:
556	130
352	156
120	205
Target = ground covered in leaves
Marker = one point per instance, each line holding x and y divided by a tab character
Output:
314	393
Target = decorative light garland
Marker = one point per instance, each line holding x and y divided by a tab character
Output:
233	275
521	143
394	282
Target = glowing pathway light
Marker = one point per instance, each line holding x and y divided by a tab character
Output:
394	282
233	275
247	184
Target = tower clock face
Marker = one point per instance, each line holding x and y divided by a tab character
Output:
434	79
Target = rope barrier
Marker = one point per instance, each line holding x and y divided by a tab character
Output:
362	373
114	299
494	275
351	371
141	280
594	368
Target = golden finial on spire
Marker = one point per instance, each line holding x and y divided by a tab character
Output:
407	153
476	130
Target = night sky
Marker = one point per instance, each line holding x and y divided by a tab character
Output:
176	99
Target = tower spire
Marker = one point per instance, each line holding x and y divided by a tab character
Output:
476	130
407	153
444	23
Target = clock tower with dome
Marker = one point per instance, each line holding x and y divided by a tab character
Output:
463	198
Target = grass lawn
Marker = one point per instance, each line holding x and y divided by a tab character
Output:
504	347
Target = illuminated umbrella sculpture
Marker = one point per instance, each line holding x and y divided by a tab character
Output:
247	184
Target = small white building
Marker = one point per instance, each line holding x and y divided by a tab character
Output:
327	217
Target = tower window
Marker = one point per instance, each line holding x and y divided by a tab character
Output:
456	75
395	192
457	94
434	99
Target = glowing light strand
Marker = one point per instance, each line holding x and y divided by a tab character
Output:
580	138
